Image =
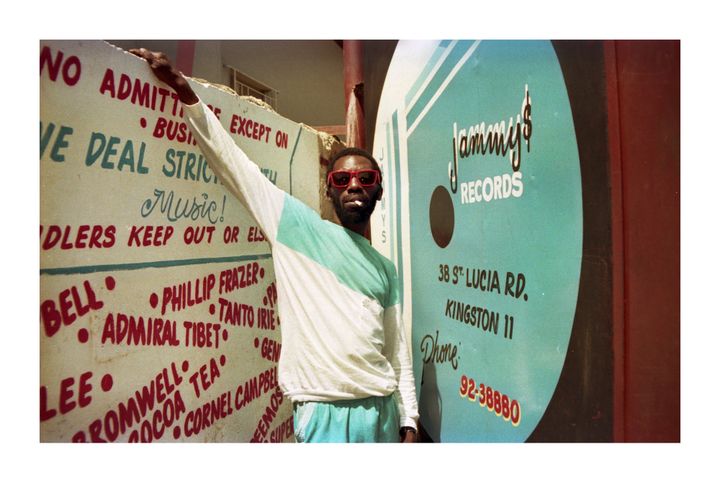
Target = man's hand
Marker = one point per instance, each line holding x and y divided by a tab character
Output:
410	437
165	72
407	435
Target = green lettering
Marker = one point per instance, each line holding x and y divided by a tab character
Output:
110	151
169	160
127	157
95	148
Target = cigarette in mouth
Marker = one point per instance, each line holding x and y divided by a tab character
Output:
358	202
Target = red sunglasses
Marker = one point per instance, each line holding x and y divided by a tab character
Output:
366	177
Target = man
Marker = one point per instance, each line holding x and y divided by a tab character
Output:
344	362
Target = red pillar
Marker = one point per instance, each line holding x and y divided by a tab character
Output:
185	56
354	107
644	134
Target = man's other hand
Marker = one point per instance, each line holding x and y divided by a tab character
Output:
408	436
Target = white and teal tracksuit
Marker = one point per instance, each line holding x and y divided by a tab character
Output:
338	298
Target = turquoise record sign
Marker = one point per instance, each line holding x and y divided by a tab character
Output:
483	218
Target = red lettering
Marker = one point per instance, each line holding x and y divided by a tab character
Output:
215	409
46	60
95	237
157	331
249	128
206	379
214	370
160	126
255	234
95	432
145	432
128	415
206	415
71	68
112	425
242	126
108	83
67	402
283	431
66	393
50	317
281	139
157	419
230	234
65	306
67	299
134	236
193	380
64	235
83	389
149	235
82	234
117	421
109	236
195	235
186	426
45	413
173	131
52	237
238	394
262	381
175	99
124	88
168	413
147	238
141	93
64	244
159	388
200	334
92	302
108	330
177	399
215	110
146	398
270	350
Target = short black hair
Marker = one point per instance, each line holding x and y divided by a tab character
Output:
352	152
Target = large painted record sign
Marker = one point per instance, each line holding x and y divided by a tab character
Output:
483	217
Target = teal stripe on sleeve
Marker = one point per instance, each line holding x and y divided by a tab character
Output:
349	256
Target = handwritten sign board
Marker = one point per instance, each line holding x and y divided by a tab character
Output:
483	217
157	310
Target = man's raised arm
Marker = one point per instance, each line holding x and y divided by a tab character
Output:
240	176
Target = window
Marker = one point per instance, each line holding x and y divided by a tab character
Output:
245	85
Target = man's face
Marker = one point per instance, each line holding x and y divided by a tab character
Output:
355	202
